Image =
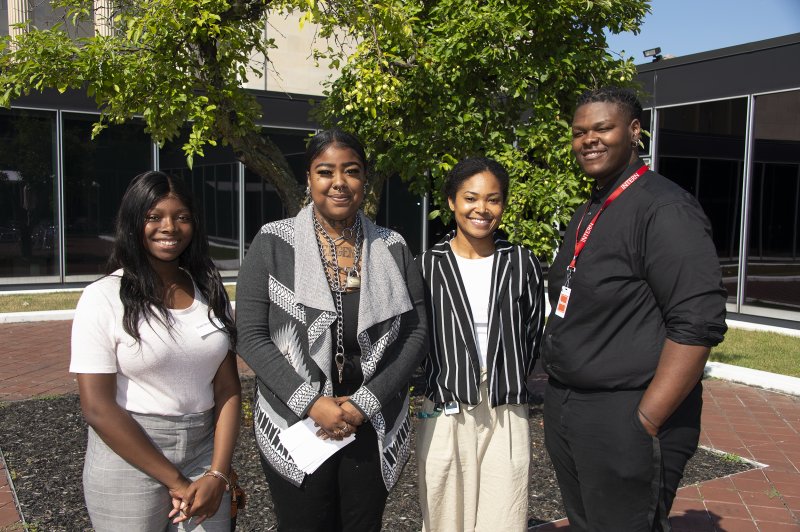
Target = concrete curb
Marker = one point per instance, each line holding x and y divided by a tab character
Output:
720	452
754	377
747	326
42	315
11	492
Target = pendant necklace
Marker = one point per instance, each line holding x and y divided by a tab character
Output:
333	275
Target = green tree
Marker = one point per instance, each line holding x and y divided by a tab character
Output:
423	82
432	81
172	62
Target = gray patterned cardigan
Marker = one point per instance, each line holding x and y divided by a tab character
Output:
284	312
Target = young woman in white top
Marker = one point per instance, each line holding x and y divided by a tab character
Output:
152	344
486	313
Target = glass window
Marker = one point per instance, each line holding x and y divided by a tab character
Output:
28	231
646	122
214	180
44	16
3	18
96	174
701	147
773	255
402	211
261	201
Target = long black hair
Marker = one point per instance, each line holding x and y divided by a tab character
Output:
140	287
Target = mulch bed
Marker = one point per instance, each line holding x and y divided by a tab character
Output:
43	442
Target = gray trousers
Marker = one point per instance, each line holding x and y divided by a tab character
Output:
121	497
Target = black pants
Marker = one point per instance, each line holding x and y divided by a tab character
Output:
613	475
346	493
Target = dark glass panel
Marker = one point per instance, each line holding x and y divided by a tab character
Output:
96	174
28	231
701	147
214	181
720	195
3	18
682	171
261	201
45	16
261	205
401	210
646	121
773	258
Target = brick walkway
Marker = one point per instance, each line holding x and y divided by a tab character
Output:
753	423
758	425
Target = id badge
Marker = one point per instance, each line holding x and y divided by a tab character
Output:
451	408
563	301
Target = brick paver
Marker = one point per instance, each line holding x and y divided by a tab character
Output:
35	360
757	424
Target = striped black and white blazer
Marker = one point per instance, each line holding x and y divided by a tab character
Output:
516	318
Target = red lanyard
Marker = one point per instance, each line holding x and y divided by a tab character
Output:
580	244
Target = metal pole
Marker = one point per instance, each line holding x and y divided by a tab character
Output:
60	216
242	185
746	190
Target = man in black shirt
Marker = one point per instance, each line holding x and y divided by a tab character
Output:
637	303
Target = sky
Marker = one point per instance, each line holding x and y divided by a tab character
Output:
683	27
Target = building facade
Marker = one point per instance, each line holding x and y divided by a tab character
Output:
725	125
60	190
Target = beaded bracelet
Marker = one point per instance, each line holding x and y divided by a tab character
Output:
218	474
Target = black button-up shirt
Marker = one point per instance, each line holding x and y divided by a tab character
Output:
649	271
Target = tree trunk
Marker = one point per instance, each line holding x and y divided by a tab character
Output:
372	200
261	156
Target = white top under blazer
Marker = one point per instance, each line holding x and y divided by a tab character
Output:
477	277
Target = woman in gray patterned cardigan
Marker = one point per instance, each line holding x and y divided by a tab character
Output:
331	318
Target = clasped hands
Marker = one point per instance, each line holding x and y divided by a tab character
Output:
336	417
198	500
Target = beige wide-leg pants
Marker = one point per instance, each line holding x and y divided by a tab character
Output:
473	468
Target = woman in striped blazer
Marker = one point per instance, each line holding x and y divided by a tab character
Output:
486	312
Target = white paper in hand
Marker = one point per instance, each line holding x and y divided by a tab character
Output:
308	450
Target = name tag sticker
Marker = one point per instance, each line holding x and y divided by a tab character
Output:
207	327
563	301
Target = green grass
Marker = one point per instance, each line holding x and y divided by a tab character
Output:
36	302
54	301
767	351
734	458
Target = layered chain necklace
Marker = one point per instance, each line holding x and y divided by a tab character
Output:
333	271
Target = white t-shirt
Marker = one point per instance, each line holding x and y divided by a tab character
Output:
477	277
170	373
